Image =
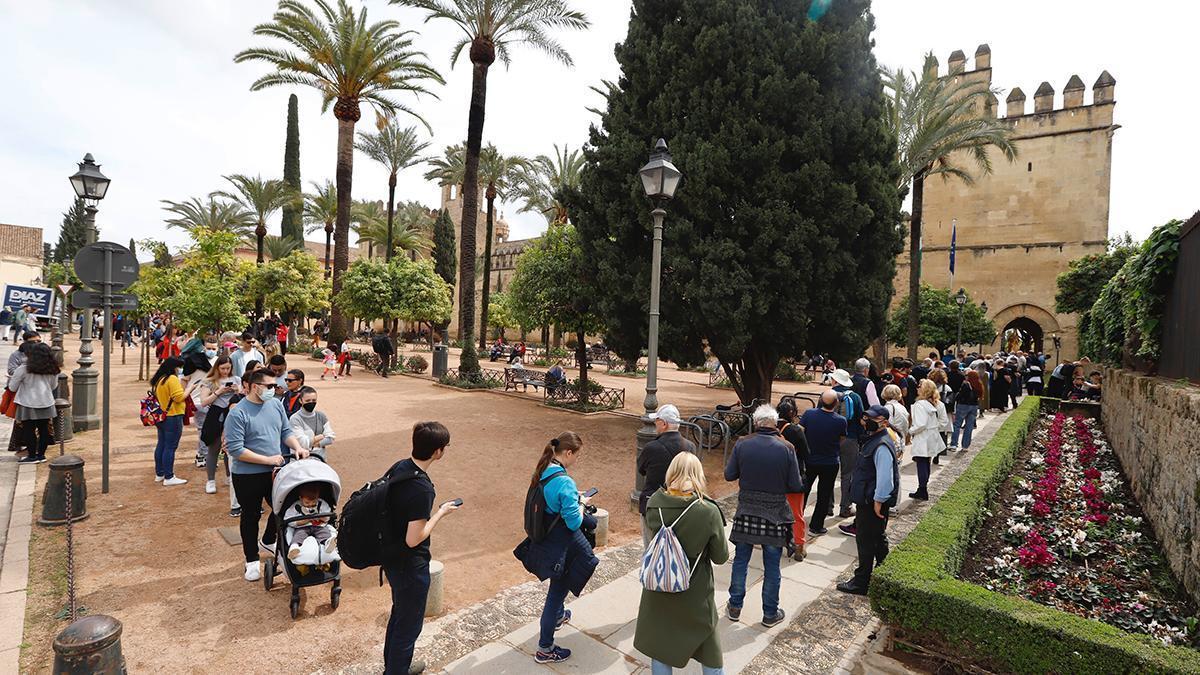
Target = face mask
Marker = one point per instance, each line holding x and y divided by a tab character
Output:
210	353
268	393
310	406
871	425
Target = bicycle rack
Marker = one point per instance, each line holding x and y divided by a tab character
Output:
813	400
705	436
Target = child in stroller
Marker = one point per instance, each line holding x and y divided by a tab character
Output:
305	522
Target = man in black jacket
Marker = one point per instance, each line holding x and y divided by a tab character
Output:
381	344
657	456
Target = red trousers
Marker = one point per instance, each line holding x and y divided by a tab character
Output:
796	501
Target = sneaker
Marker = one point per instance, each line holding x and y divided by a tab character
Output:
158	479
733	613
174	480
774	620
799	555
210	487
918	496
850	530
28	459
816	532
41	459
200	461
416	668
252	572
849	587
562	620
293	552
935	459
553	655
846	513
235	512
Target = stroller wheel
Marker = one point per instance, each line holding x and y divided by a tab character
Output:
335	597
268	573
295	607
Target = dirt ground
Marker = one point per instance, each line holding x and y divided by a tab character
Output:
153	557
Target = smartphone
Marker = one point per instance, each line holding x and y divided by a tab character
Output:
457	502
592	492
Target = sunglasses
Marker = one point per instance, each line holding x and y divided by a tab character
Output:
290	379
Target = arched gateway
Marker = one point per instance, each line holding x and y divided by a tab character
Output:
1033	324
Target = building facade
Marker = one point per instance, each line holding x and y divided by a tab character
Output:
501	250
1020	226
21	253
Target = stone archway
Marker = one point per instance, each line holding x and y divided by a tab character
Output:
1034	323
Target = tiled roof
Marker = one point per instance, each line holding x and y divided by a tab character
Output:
21	241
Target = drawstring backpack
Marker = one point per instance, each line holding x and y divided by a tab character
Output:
664	564
152	413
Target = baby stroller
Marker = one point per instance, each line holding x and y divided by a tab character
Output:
284	492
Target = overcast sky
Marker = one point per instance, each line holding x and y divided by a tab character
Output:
149	87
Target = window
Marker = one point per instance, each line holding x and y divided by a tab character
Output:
1030	167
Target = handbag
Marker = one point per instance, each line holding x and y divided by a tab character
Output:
214	424
8	403
152	413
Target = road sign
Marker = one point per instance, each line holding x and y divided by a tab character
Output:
85	299
65	289
89	265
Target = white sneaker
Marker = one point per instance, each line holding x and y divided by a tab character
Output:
210	487
252	572
158	479
174	480
293	552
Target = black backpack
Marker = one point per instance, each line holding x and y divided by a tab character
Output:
366	536
536	526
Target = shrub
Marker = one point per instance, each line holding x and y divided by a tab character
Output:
317	353
416	364
916	589
785	371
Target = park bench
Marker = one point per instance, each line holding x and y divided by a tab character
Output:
523	376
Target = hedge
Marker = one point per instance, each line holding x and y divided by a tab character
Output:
916	589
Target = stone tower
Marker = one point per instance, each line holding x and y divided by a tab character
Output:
452	201
1020	226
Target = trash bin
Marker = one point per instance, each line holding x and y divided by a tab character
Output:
441	360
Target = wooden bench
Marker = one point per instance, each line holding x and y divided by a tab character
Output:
523	376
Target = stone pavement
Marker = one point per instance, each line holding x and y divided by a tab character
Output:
16	523
500	635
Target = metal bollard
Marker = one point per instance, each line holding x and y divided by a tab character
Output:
60	423
54	498
90	645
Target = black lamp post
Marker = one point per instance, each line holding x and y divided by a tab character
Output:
983	306
960	299
660	179
90	185
1057	347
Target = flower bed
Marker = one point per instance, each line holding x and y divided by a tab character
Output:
1066	532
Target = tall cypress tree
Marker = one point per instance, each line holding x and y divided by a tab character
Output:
445	251
133	247
73	235
783	233
292	226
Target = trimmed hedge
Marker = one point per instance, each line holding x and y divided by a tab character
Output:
916	589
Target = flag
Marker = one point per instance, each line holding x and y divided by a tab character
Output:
953	242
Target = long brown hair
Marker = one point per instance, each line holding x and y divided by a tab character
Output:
567	440
973	380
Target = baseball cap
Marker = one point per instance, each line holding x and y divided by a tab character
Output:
667	413
842	377
880	411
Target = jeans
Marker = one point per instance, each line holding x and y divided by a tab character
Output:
964	420
871	541
1034	388
410	589
922	475
771	578
827	474
169	432
849	456
252	490
552	611
660	668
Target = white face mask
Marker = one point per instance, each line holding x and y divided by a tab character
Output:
268	393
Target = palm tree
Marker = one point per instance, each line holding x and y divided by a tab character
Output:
937	122
490	29
397	149
501	175
369	222
279	248
414	229
320	209
261	198
542	180
193	215
350	62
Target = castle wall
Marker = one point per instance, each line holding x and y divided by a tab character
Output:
1020	226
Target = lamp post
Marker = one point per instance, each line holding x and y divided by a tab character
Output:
659	178
90	185
960	299
1057	347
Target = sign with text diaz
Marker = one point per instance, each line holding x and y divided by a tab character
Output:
40	299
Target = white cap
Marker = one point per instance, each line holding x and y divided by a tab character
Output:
667	413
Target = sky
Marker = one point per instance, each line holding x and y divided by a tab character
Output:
149	87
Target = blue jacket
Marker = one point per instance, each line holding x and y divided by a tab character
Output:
764	462
564	552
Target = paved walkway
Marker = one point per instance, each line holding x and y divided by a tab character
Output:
499	635
16	523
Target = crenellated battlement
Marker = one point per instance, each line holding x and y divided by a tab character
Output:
1103	91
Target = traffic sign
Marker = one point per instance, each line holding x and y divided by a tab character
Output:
85	299
89	266
65	289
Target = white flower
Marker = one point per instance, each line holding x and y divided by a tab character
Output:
1018	528
1018	510
1024	499
1080	536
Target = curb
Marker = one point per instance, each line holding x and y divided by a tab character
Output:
14	571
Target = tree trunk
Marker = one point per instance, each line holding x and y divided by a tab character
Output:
546	339
328	236
752	375
469	359
914	267
387	254
487	270
341	230
259	233
581	359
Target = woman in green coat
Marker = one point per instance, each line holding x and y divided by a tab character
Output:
673	628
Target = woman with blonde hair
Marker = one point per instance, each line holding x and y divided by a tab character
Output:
926	434
898	419
674	628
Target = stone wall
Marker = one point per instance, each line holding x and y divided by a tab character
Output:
1154	427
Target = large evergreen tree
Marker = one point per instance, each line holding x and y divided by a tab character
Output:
73	235
292	226
783	233
445	257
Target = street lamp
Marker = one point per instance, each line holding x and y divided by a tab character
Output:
960	299
90	185
1057	347
660	179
